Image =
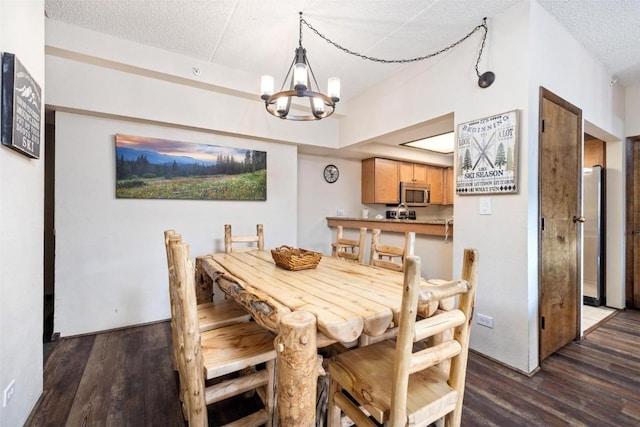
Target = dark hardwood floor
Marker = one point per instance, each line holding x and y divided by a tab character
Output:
125	378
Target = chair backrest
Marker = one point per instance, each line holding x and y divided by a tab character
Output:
246	243
388	256
191	365
169	237
349	249
454	349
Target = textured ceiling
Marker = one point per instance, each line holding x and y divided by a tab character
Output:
609	29
260	36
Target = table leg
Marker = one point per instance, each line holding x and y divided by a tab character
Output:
297	369
204	284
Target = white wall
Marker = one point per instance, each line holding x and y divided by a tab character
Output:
501	238
110	258
318	199
525	48
632	111
21	230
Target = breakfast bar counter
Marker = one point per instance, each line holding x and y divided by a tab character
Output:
435	227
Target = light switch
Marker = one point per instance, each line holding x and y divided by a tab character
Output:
485	206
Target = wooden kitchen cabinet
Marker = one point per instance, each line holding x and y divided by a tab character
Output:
380	181
594	152
435	177
413	172
448	187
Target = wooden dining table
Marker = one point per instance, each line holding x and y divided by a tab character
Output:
336	302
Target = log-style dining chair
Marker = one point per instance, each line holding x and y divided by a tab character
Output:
349	249
243	243
392	258
211	315
389	256
400	387
217	353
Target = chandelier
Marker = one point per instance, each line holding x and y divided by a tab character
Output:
321	105
301	85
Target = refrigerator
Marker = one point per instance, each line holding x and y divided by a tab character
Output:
593	248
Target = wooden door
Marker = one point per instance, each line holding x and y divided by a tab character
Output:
632	288
560	170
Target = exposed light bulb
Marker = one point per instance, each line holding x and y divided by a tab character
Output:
282	106
318	105
266	86
300	76
333	88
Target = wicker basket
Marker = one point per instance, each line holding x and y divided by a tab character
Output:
294	258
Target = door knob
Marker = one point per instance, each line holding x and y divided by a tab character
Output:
579	218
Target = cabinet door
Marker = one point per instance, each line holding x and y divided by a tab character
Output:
420	173
413	172
434	179
406	172
448	187
380	181
387	185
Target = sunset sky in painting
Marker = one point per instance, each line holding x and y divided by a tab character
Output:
199	151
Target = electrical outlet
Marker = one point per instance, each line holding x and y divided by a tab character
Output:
484	320
9	392
340	212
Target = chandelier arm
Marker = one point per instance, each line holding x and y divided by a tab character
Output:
289	72
398	61
313	75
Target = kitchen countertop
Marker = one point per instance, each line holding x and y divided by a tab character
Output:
430	227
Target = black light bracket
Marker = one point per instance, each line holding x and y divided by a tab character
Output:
486	79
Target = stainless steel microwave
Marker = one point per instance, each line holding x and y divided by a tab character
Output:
412	194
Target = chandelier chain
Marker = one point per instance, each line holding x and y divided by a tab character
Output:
402	61
300	36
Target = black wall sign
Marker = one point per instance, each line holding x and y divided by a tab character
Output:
21	108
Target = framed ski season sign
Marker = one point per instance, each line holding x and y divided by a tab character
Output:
20	115
488	155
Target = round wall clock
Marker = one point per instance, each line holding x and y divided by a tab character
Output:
331	173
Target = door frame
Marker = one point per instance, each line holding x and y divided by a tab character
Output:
629	228
550	96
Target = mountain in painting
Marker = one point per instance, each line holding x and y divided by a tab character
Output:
155	158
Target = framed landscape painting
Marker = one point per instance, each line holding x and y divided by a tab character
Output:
151	168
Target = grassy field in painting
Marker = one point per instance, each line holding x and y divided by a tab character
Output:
249	186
